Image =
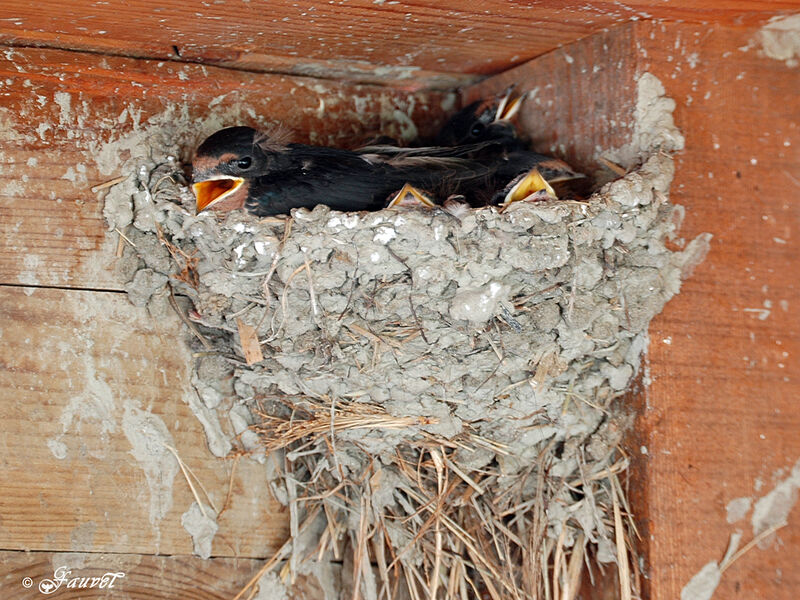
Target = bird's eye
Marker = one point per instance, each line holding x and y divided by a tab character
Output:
244	163
477	129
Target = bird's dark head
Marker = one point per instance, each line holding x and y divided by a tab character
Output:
468	125
226	161
488	120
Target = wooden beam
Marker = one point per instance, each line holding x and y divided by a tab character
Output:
721	412
91	390
720	378
59	109
83	369
581	97
145	576
411	43
718	418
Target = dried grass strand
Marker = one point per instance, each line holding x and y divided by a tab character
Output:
186	474
622	552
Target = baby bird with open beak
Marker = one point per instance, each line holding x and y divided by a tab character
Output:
239	167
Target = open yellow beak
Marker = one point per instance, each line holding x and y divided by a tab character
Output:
211	191
529	185
509	108
409	196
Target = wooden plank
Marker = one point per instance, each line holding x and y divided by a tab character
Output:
703	437
90	390
145	577
575	105
414	43
59	108
721	418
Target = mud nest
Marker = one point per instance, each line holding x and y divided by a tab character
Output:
438	396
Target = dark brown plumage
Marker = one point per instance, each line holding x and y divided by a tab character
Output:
238	167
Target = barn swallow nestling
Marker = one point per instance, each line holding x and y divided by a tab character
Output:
484	131
504	169
239	167
514	164
410	197
484	120
528	187
531	177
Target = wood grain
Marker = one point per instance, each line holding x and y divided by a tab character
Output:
145	577
719	419
721	413
60	109
413	43
580	98
82	372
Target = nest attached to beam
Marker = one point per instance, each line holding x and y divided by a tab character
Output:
439	397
